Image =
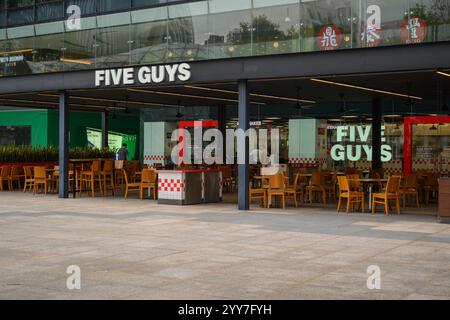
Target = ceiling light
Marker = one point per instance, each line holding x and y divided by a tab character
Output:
443	73
366	89
392	116
16	51
184	95
113	100
251	94
77	61
334	120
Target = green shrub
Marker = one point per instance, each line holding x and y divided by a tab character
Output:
13	154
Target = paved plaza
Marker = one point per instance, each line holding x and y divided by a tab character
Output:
133	249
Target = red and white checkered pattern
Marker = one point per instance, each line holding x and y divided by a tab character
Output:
363	165
393	166
154	158
172	185
306	162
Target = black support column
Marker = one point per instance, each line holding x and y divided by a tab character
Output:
243	147
105	128
377	119
222	119
63	144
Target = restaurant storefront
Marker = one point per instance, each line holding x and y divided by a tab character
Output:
348	85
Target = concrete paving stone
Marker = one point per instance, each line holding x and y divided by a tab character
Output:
418	296
132	249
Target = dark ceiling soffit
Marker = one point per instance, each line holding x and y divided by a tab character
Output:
314	64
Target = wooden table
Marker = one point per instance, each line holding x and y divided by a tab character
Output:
75	171
369	182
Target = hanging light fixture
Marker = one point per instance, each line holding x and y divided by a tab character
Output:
287	19
179	115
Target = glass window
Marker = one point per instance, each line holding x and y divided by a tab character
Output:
113	46
149	43
2	18
47	54
79	50
188	32
49	11
19	3
87	6
21	16
230	33
15	56
146	3
112	5
17	135
276	28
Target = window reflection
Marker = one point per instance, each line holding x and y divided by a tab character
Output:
211	29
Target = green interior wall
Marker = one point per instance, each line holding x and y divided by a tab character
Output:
127	124
37	119
45	125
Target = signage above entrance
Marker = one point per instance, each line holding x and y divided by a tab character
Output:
143	75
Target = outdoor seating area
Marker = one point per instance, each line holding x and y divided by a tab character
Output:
350	191
87	177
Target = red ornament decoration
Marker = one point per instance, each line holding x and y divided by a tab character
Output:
413	30
329	38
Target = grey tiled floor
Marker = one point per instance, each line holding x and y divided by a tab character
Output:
132	249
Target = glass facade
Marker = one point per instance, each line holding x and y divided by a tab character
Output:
46	36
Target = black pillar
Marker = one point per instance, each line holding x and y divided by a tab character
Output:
105	128
222	119
243	147
377	119
63	144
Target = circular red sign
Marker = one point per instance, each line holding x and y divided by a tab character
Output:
413	30
329	38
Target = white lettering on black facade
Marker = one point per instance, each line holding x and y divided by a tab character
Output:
143	75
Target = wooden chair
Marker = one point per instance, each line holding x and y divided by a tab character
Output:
28	183
295	191
330	185
376	175
431	186
40	179
354	182
258	194
410	189
302	184
118	173
352	197
148	182
391	193
130	186
5	176
276	188
91	177
228	181
317	185
107	175
16	176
